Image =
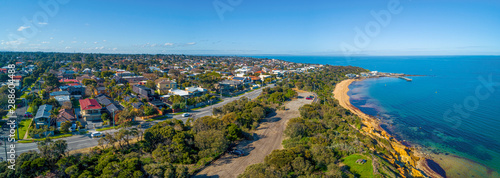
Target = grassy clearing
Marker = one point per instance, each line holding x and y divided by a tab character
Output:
54	137
23	127
107	128
362	170
157	118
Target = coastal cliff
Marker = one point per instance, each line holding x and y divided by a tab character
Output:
407	161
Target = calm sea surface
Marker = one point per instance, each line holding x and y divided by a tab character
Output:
454	108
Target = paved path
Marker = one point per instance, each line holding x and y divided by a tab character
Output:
84	141
268	137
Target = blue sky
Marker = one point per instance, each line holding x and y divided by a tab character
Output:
293	27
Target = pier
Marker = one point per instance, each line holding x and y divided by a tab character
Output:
407	79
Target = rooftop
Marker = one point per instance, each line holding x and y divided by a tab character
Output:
86	104
43	111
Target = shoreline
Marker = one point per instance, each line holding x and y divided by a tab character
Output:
453	166
372	127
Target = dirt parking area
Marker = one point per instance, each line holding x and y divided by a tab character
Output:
268	137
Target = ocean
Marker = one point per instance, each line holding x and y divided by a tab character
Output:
453	109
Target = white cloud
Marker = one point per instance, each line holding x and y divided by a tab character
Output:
95	42
14	42
67	47
45	42
74	41
168	44
51	38
104	40
192	43
62	41
43	23
114	49
21	28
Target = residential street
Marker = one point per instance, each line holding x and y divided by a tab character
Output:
84	141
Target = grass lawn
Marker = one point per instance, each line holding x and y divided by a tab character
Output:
107	128
54	137
157	118
23	127
24	94
30	110
362	170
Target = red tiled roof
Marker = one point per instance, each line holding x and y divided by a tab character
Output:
73	84
86	104
66	115
17	77
68	80
254	78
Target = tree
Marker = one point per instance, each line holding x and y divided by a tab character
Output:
210	143
151	84
105	117
51	80
233	132
149	110
89	82
65	126
105	74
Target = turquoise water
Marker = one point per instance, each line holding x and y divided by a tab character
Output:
424	111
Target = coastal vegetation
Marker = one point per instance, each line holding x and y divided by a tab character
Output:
326	141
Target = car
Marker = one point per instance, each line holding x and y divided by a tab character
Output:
96	134
238	152
186	115
28	114
309	97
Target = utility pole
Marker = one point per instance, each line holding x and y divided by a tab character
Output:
113	119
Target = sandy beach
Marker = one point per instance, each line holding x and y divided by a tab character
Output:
453	165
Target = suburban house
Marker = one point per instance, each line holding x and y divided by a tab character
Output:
59	93
134	80
230	85
90	110
244	70
196	91
100	90
255	78
65	115
182	93
62	99
351	75
109	105
42	117
142	91
163	85
76	90
242	79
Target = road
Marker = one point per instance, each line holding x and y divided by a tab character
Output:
84	141
207	111
268	137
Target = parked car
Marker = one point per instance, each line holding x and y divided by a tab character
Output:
309	97
28	114
186	115
237	152
96	134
